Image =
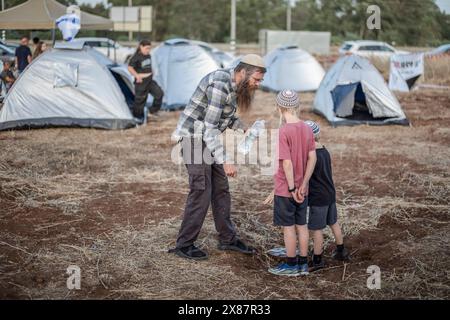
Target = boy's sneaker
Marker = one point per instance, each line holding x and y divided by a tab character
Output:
343	255
283	269
303	269
317	266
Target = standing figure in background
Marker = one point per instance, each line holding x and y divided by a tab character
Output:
23	55
35	40
140	67
7	76
40	48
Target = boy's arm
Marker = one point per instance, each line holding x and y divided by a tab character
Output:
311	163
289	173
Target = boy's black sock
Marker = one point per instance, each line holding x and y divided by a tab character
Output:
302	260
291	261
340	247
317	258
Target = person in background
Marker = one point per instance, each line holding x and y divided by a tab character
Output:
140	67
40	48
23	55
7	76
36	41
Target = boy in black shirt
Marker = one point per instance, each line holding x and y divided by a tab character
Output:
140	66
322	204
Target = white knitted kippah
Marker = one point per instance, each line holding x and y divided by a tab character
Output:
288	99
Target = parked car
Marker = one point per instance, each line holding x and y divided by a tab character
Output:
442	50
6	53
12	46
369	49
110	48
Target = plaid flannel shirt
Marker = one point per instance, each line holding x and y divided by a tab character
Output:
210	112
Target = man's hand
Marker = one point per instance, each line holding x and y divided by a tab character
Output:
230	170
138	78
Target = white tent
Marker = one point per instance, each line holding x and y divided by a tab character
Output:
179	65
69	86
290	67
354	92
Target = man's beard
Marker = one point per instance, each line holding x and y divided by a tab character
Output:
245	95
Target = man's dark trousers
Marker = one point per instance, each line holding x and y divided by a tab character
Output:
208	184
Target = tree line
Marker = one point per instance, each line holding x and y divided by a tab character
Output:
403	22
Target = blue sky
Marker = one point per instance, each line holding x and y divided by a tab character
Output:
443	4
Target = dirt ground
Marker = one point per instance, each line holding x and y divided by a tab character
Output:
110	202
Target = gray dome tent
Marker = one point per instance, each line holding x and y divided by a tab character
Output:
290	67
354	92
69	86
179	65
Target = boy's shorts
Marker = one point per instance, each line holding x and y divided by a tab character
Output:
320	217
287	212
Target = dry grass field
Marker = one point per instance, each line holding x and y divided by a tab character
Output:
110	202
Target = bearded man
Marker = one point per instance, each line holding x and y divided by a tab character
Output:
211	110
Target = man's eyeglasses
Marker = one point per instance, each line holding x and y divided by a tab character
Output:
257	80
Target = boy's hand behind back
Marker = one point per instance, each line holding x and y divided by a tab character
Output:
303	190
298	197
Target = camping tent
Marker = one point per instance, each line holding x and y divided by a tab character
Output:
42	14
354	92
69	86
292	68
179	65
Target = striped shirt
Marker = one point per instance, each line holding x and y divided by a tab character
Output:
211	110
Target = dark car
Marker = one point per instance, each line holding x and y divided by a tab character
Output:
7	53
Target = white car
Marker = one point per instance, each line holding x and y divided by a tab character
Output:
369	49
110	48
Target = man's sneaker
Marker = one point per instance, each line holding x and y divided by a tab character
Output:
303	269
190	252
283	269
343	255
237	245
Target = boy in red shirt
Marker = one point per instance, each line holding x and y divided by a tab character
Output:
297	158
